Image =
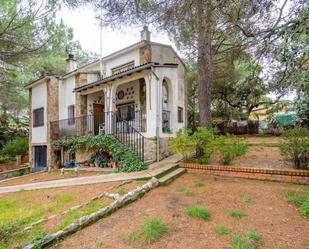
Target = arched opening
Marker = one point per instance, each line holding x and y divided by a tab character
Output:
166	105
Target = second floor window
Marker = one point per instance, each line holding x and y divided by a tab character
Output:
38	117
180	114
71	115
123	67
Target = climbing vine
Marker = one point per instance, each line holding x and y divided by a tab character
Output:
127	159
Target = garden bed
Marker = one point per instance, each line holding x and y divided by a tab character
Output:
22	209
258	208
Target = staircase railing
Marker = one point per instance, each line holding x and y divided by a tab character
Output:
126	131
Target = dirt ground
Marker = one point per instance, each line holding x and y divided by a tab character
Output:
44	176
259	157
266	140
279	223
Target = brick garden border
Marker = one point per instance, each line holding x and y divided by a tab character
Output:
281	175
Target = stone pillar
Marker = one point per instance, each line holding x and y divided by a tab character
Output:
52	112
31	164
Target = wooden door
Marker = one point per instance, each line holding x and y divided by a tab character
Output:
98	117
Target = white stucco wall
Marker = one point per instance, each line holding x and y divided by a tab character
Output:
39	100
97	98
66	96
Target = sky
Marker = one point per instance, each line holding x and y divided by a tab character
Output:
87	31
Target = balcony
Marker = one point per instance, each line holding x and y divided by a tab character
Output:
94	124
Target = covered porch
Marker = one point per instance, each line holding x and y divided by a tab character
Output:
132	100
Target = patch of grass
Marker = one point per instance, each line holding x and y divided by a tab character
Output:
140	182
300	200
73	215
199	184
198	212
221	230
150	231
60	201
121	191
247	199
186	191
236	213
250	241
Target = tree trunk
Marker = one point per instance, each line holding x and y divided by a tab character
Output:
204	62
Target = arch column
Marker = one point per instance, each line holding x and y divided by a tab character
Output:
110	105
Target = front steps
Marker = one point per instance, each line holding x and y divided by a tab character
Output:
171	176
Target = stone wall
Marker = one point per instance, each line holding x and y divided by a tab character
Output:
80	100
151	148
145	54
52	114
30	129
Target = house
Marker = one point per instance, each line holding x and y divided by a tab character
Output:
137	94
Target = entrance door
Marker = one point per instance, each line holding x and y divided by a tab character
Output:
98	117
39	158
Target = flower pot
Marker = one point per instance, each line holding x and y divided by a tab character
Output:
91	165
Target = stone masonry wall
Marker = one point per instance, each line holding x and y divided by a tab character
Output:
151	148
80	100
30	130
145	54
52	114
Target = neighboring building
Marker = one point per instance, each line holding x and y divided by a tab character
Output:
140	92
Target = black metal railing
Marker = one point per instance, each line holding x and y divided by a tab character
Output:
126	131
166	121
131	137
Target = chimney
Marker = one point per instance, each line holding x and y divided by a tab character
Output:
71	63
145	34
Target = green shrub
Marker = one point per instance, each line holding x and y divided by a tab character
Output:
184	143
198	212
304	208
205	143
230	147
148	232
19	146
199	184
236	213
221	230
295	147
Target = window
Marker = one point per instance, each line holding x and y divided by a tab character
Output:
71	115
123	67
126	111
180	114
38	117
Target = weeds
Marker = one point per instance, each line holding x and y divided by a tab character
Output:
300	200
150	231
236	213
198	212
121	191
199	184
247	199
221	230
186	191
250	241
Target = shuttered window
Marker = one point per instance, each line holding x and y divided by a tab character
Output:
38	117
180	114
71	115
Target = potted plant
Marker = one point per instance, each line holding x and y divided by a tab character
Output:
57	163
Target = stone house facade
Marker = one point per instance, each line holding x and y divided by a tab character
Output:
139	90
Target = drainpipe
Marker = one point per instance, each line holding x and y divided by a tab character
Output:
158	112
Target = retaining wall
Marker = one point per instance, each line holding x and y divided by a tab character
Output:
280	175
